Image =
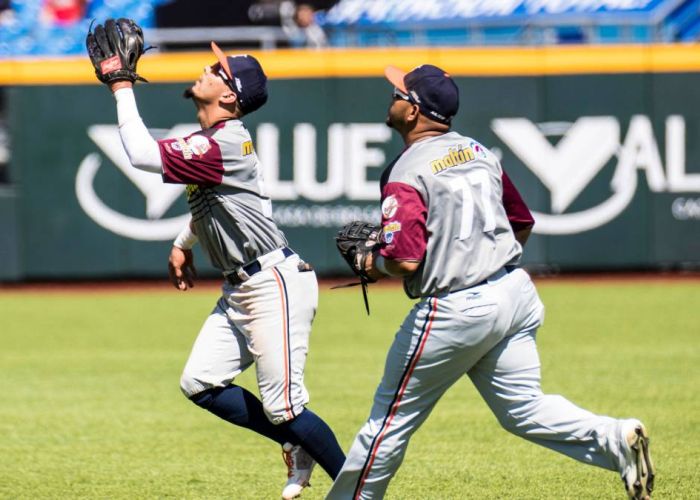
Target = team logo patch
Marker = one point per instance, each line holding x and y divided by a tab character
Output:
247	148
111	64
199	145
479	150
182	146
390	230
389	206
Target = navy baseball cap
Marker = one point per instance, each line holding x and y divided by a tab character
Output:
430	88
244	75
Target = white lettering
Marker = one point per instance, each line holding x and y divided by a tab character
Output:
349	157
640	152
686	208
323	215
267	147
305	170
361	157
678	180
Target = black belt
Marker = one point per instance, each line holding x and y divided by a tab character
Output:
253	268
507	269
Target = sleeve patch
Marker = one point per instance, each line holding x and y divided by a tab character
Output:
390	230
247	148
195	145
404	234
389	206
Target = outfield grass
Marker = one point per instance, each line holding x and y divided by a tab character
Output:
91	406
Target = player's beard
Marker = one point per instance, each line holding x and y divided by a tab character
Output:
188	93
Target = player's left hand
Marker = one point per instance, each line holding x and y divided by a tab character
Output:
181	268
356	241
114	49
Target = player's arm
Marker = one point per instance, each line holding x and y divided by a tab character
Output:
404	233
181	268
141	148
519	216
379	267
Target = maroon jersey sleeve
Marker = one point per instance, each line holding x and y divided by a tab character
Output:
519	215
195	159
404	234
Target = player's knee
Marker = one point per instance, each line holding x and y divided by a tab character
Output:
277	415
517	419
189	385
510	424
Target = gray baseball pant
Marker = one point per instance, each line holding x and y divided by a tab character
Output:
487	332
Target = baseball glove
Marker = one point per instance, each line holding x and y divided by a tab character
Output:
355	242
114	50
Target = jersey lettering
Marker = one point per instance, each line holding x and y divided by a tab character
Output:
477	178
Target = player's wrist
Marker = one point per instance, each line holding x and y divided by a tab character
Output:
120	84
186	239
379	264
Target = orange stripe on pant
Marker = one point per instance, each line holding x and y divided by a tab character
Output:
285	340
395	407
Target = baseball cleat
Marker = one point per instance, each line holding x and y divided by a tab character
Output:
299	467
638	469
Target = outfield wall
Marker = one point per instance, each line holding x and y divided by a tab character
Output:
601	141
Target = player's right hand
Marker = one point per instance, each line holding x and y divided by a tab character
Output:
181	268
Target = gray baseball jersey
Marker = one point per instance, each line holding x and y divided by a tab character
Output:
265	319
447	204
448	187
231	214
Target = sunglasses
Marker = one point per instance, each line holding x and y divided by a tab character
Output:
217	70
398	94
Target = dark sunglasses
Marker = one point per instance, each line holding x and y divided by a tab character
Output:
216	69
398	94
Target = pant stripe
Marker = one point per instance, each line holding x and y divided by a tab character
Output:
396	401
289	409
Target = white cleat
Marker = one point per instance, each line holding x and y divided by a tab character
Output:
637	467
299	467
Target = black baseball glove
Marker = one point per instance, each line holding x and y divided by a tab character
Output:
355	241
114	50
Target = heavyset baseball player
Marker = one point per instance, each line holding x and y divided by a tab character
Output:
269	295
453	230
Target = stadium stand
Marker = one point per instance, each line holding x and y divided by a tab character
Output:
27	30
517	22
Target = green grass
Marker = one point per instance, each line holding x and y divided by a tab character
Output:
91	406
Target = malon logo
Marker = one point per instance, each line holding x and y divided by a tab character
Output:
585	147
159	196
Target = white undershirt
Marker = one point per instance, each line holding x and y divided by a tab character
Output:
140	146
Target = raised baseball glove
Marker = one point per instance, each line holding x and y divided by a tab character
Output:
114	50
355	242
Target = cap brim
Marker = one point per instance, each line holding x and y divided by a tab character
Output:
223	60
396	76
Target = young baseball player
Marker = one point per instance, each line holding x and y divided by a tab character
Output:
453	230
269	296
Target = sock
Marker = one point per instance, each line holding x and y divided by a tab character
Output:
240	407
314	435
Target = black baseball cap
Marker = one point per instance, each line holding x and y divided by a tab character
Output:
430	88
245	77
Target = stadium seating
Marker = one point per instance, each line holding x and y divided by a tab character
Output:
529	22
393	23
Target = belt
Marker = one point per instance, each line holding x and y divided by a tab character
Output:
498	274
266	261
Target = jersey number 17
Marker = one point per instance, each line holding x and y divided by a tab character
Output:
474	183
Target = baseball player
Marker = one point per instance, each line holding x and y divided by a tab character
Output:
269	296
453	230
